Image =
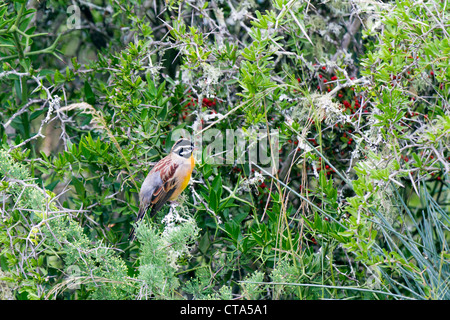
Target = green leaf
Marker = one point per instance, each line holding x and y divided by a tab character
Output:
59	78
233	230
213	200
79	187
217	185
204	242
89	94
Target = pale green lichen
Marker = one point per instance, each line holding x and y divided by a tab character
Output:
161	253
6	287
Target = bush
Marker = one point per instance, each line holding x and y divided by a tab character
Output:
334	179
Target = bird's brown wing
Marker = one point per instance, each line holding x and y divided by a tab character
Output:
161	191
161	195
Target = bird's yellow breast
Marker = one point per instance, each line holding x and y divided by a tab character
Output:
186	176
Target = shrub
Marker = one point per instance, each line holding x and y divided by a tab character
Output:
352	99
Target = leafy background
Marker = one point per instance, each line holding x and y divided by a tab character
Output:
91	93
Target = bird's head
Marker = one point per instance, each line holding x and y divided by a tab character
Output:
183	148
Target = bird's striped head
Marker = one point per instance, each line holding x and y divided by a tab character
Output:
183	148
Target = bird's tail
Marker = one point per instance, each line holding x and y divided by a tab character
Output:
141	214
132	235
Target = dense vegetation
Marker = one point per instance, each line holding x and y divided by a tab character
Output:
351	96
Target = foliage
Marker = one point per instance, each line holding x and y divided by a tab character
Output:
353	98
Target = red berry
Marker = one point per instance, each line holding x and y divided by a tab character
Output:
333	78
206	101
324	68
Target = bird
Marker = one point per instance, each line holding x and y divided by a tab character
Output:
166	181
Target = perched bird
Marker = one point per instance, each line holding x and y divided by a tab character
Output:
165	182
